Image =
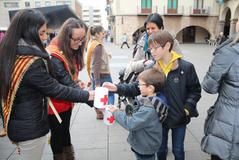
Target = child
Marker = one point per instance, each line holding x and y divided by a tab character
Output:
182	91
144	124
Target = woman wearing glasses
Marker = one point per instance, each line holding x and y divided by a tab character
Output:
98	62
66	50
24	91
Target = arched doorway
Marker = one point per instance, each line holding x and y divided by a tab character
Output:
226	30
193	34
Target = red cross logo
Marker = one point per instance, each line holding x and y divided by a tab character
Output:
111	119
104	100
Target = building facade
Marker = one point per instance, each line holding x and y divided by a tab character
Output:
189	20
91	15
6	5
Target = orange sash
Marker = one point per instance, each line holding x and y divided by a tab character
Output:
55	52
21	66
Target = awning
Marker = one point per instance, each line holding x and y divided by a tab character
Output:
55	15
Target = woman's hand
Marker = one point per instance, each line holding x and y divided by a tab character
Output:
110	86
81	84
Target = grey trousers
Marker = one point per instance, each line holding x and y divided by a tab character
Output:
32	149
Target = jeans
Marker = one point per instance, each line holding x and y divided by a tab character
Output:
111	97
178	136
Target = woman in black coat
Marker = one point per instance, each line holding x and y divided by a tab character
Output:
26	82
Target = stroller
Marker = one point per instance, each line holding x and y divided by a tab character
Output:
128	102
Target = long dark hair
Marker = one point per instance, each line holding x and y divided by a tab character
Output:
25	25
156	19
64	38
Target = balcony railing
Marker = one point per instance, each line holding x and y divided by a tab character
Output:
146	11
200	11
171	11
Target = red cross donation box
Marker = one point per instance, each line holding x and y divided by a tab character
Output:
101	97
109	119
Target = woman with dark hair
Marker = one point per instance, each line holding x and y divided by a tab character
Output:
26	82
98	62
66	50
142	56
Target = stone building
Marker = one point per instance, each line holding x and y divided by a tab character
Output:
192	21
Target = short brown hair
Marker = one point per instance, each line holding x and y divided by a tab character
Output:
153	77
161	37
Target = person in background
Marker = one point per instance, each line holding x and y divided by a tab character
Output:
66	51
221	125
221	38
98	62
24	92
144	125
124	41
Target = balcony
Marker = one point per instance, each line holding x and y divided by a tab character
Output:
146	11
179	11
199	11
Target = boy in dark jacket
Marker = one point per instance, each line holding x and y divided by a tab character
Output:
144	124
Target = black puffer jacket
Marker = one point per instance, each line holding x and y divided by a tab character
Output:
182	90
28	119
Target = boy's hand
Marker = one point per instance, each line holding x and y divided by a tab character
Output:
110	86
112	108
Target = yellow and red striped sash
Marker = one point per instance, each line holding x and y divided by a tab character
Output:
21	65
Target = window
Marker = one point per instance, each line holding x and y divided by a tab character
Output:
37	4
47	3
172	7
172	4
147	4
27	4
198	4
63	2
11	4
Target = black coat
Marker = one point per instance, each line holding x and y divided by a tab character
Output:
28	119
182	90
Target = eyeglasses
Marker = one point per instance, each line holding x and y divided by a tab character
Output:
79	40
155	48
142	84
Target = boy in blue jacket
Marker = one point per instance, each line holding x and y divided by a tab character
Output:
144	125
